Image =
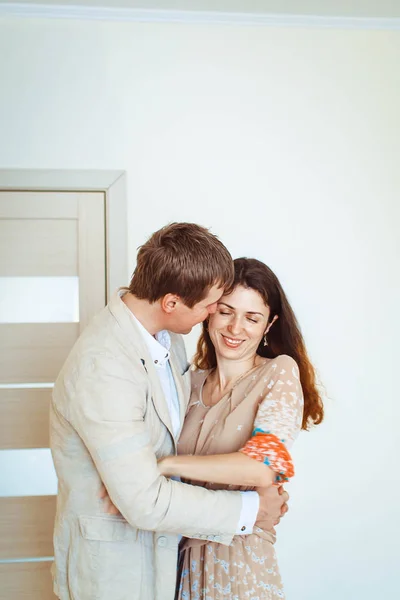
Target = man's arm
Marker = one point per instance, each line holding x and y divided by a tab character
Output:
108	414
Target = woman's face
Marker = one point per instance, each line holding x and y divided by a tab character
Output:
239	323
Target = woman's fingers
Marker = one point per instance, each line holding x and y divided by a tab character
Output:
103	492
108	506
111	508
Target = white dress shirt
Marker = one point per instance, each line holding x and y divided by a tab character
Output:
159	349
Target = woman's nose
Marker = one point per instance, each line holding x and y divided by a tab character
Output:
234	326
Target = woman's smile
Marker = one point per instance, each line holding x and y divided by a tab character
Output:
231	342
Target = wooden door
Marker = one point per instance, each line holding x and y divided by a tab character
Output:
52	281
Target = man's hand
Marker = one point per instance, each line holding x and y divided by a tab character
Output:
273	505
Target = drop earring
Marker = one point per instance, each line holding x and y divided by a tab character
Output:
265	339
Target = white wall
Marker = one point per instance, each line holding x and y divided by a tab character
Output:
286	143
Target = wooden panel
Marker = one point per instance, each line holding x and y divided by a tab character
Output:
38	247
92	256
24	418
26	526
35	352
26	581
38	205
118	269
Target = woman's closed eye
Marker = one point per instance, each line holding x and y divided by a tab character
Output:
229	314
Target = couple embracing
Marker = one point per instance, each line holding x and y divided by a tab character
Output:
171	478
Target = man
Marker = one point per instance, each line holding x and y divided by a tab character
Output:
118	405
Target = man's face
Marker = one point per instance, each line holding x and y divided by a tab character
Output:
183	318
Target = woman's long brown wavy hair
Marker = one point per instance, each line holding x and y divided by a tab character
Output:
284	337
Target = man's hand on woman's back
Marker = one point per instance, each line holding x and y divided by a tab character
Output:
273	505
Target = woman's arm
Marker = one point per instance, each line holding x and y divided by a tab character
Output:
264	459
235	469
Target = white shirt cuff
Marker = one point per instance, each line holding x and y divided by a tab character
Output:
249	512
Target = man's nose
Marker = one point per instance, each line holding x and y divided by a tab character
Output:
212	308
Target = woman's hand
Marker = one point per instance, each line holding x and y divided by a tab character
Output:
166	466
108	506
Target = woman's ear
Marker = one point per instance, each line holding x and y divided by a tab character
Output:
270	324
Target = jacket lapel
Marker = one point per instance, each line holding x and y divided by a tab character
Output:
157	394
180	388
133	340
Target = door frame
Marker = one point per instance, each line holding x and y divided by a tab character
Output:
111	183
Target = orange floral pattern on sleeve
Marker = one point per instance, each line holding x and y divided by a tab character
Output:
269	449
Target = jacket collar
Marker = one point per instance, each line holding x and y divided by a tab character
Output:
158	345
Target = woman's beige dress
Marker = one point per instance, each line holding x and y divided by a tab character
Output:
269	398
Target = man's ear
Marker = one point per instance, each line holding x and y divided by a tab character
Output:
270	325
169	302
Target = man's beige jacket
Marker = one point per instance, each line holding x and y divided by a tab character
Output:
109	423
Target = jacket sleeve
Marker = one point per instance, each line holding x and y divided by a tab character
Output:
108	413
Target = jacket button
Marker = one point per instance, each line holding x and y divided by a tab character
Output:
162	541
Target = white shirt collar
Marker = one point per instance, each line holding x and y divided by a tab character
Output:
158	346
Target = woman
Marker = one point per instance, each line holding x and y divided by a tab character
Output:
252	391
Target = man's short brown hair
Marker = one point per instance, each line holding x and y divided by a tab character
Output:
183	259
